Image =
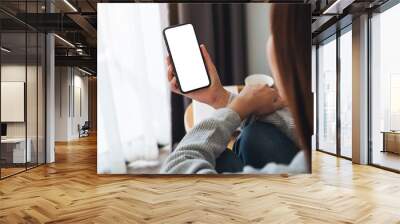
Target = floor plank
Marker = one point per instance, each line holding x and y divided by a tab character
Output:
70	191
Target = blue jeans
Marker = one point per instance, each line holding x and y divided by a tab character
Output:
258	144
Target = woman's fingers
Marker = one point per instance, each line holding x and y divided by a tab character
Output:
174	86
277	101
266	100
168	60
170	73
170	68
173	83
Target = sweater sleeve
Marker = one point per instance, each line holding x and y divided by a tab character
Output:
198	150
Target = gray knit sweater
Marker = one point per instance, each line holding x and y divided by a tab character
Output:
201	146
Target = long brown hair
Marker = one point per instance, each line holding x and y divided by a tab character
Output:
291	31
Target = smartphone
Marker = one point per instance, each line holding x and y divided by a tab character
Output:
187	60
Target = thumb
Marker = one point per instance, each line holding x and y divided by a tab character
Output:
209	63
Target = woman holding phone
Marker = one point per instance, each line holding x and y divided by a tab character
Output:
277	135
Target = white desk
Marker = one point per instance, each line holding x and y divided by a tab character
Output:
18	149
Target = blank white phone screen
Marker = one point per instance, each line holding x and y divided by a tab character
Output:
186	55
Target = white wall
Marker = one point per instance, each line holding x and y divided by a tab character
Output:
82	83
257	25
61	103
67	116
12	73
17	73
13	100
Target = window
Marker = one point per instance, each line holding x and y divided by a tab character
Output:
394	101
385	89
327	97
346	94
334	106
22	77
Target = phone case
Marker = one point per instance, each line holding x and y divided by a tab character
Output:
172	60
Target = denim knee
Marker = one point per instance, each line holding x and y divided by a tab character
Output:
261	143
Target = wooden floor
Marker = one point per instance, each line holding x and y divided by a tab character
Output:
5	172
70	191
386	159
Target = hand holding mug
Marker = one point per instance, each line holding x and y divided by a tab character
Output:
256	99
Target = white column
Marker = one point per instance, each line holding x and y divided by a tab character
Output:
50	99
50	92
360	90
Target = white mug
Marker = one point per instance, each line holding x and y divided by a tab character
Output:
256	79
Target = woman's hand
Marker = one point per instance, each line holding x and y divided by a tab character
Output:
215	95
256	99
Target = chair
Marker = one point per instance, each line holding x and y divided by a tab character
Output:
84	130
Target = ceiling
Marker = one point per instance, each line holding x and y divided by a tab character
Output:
76	22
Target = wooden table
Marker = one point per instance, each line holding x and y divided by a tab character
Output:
391	141
13	150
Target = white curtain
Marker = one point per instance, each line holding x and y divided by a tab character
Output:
133	94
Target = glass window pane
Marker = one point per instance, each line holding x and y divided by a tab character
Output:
346	94
41	98
32	94
22	90
385	87
327	97
31	88
14	153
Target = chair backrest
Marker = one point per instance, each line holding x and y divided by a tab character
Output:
86	124
188	117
